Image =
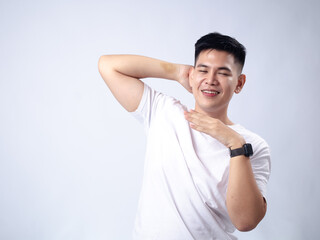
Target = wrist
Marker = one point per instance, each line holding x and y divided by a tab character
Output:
237	143
179	73
245	150
172	70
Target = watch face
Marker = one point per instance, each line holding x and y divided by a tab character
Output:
247	149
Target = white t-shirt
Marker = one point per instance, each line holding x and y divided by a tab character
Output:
186	175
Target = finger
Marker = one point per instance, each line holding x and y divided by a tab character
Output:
196	114
190	119
200	123
189	115
193	111
198	118
193	114
193	119
198	128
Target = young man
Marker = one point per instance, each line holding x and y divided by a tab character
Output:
204	175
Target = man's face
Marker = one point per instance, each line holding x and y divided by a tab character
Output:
214	79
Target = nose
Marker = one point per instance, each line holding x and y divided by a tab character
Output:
212	80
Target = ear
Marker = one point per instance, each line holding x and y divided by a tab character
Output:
240	83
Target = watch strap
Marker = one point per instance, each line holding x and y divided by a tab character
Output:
236	152
245	150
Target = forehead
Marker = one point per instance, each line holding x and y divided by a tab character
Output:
212	57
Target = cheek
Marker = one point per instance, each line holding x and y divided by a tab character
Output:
192	82
196	81
230	84
195	86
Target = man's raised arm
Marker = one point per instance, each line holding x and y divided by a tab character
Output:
122	74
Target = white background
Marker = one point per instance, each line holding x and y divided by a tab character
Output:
71	159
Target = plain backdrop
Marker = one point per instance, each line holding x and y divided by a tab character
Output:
71	159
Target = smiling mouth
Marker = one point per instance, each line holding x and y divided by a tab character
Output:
210	93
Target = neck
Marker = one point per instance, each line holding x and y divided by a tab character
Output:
221	115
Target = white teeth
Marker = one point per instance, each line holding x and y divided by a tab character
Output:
211	92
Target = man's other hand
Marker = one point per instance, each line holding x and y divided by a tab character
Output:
183	76
215	128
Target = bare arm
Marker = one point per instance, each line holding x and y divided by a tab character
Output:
245	204
122	74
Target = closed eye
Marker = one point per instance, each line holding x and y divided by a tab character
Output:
224	71
202	68
224	74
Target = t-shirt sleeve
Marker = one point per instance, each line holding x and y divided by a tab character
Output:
261	165
150	101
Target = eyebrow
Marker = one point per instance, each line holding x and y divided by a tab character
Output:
220	68
225	68
202	65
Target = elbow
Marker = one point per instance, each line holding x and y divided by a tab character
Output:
105	67
248	222
248	219
245	226
101	63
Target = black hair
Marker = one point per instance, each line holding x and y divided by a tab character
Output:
223	43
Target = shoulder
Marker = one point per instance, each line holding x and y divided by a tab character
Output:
163	101
259	144
248	135
155	104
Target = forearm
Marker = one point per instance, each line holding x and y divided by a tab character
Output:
245	203
122	74
140	67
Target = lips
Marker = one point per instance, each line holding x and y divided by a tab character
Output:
210	93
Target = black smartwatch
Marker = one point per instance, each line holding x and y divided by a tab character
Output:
245	150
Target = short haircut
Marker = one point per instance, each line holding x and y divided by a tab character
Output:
221	42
